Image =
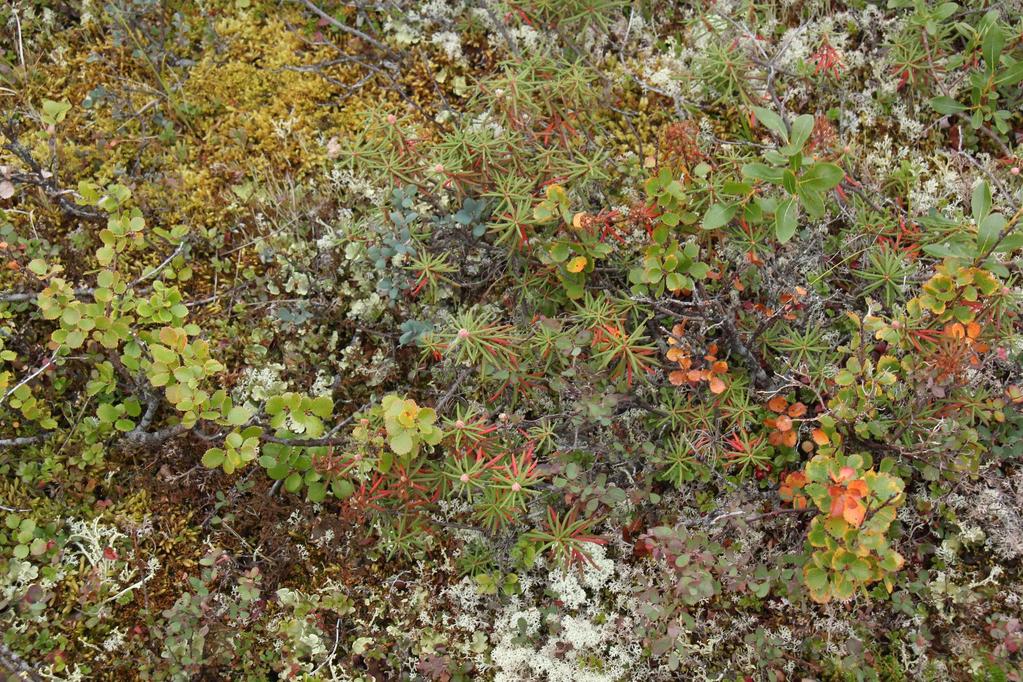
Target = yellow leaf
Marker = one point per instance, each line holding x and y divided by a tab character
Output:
576	264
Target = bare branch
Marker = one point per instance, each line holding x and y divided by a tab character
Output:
345	27
11	443
43	180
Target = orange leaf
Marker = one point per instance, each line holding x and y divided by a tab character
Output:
796	479
819	437
857	488
854	511
837	504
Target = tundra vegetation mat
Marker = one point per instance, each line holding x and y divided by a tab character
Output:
563	340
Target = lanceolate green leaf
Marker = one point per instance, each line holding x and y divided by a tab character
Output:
980	201
822	176
946	105
988	232
802	127
994	41
785	220
1011	75
761	171
718	215
773	122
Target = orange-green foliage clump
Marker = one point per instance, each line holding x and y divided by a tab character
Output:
586	340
